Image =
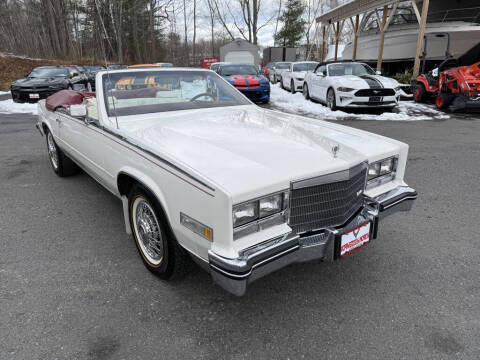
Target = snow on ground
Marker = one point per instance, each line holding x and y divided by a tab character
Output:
17	56
296	104
4	92
10	107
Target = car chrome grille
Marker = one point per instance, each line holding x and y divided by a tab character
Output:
375	92
328	200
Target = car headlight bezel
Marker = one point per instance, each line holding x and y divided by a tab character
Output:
263	212
382	171
345	89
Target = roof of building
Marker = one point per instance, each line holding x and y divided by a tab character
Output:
351	9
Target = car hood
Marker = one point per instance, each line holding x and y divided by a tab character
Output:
28	82
245	80
247	150
367	81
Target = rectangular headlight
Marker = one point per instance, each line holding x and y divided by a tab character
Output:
270	205
382	171
245	213
258	214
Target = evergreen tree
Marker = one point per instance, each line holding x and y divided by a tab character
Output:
293	27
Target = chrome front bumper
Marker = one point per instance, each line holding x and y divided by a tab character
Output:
235	274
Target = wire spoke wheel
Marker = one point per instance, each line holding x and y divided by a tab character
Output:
147	231
52	151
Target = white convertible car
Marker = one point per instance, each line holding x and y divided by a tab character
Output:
351	85
203	173
293	78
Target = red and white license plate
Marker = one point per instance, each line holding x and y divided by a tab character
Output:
354	239
34	96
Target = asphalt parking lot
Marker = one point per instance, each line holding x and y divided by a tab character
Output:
72	285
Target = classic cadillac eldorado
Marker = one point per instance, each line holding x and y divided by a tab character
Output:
205	174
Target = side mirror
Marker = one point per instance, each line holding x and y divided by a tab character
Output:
77	110
378	72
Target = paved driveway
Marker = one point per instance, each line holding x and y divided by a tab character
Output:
72	285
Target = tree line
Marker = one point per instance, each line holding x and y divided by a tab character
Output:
146	31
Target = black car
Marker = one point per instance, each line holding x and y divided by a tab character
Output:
92	71
45	81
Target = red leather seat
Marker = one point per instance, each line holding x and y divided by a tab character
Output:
66	98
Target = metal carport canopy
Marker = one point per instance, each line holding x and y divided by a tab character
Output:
351	9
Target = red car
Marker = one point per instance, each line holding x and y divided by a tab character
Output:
267	68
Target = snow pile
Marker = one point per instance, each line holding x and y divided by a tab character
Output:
4	92
296	104
10	107
18	56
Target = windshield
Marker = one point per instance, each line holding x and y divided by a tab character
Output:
282	65
304	66
214	67
132	93
116	66
349	69
48	72
227	70
95	68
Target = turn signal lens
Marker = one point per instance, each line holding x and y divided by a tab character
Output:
196	226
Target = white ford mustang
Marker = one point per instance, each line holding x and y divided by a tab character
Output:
292	79
205	174
351	85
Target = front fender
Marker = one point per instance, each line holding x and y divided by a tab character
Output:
148	183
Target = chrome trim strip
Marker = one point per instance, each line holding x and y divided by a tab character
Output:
329	178
99	128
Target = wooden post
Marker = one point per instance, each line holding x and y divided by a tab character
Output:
337	35
355	38
322	56
382	38
421	33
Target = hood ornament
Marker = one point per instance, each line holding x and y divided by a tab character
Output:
335	150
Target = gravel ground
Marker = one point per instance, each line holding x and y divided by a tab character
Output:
72	285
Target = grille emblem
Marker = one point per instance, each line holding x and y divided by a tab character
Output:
376	91
335	150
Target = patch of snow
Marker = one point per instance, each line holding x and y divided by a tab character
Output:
297	104
18	56
10	107
4	92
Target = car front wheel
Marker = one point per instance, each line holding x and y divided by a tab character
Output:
292	87
62	165
331	100
159	251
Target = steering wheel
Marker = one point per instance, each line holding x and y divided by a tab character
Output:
202	94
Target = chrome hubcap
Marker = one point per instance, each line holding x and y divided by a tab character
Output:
52	150
148	231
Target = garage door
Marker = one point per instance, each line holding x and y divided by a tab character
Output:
240	57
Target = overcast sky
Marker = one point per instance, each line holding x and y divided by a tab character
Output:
269	9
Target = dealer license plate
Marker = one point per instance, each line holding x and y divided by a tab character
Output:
34	96
354	239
